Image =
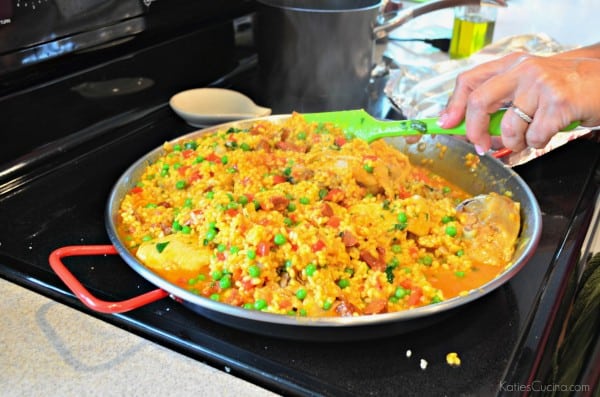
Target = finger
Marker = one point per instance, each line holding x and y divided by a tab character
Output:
544	126
515	125
482	102
468	81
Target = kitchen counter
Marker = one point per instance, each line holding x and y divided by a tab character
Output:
48	348
51	349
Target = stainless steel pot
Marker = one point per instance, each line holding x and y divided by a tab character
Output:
490	175
317	55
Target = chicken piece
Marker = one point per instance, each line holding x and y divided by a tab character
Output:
492	226
174	252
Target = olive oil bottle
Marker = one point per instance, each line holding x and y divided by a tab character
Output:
471	32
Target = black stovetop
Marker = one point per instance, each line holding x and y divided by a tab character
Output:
60	199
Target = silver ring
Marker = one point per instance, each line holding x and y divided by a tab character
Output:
524	116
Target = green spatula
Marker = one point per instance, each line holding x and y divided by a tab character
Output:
362	125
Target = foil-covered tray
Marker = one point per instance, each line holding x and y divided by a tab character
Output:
422	89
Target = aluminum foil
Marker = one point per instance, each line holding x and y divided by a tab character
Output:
421	89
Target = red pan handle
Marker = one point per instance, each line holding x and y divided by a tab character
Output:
501	153
86	296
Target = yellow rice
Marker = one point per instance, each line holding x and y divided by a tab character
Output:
298	219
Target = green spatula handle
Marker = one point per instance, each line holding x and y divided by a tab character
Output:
364	126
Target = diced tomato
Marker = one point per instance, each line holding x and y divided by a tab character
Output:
187	153
403	193
294	247
285	304
407	284
221	256
247	283
413	251
263	248
181	170
318	246
340	141
334	221
415	296
232	212
136	190
213	157
279	179
335	195
370	157
196	176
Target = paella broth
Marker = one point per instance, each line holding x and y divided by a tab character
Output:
299	219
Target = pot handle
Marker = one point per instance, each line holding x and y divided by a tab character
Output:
381	30
86	296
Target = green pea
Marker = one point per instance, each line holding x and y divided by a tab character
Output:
459	273
225	282
221	247
217	275
436	299
180	185
233	249
199	159
211	234
251	254
401	292
301	294
447	219
301	135
343	283
245	147
427	260
215	297
446	190
254	271
327	305
176	226
185	229
451	230
291	207
368	168
310	269
224	160
190	145
304	200
402	217
210	195
396	248
260	304
243	200
279	239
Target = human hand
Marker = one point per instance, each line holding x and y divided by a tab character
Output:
552	91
